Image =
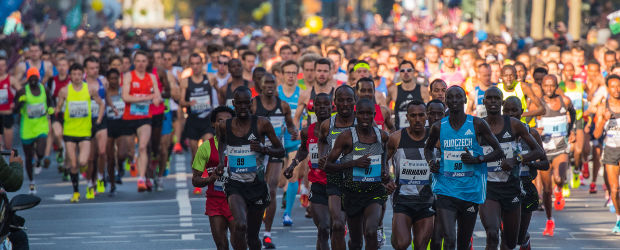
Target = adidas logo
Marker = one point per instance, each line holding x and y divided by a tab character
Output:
471	209
278	112
468	132
515	200
562	110
409	96
251	137
506	135
259	202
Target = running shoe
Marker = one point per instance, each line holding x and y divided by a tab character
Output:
33	189
60	156
380	237
141	186
159	185
100	187
118	179
75	198
127	165
575	182
197	190
90	193
616	229
566	190
593	188
308	214
549	228
559	202
526	246
610	204
60	168
46	163
149	185
133	171
286	220
112	192
37	170
177	149
585	171
303	197
66	177
267	244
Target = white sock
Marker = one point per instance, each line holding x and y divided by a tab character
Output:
90	183
267	234
99	176
617	215
32	183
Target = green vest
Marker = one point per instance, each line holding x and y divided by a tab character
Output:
34	121
78	113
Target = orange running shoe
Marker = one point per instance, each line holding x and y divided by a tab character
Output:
197	190
585	172
141	186
133	171
549	228
177	149
304	200
559	202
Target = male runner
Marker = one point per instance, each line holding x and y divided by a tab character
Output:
98	157
554	126
34	60
448	70
365	171
383	117
204	174
8	85
362	70
32	105
78	123
248	58
406	91
246	189
306	62
503	203
236	73
438	89
139	90
55	84
278	112
460	176
413	198
608	120
318	192
322	73
435	111
511	87
475	106
344	119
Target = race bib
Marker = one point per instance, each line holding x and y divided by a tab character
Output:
120	107
4	96
35	110
555	126
218	185
313	148
203	104
576	99
454	167
612	136
277	122
370	174
481	111
140	108
241	159
414	172
494	169
402	119
78	109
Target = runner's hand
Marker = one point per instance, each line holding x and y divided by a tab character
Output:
322	162
294	134
390	187
288	172
220	169
434	166
572	138
256	146
508	164
363	162
468	158
99	120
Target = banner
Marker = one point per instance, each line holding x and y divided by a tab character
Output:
74	17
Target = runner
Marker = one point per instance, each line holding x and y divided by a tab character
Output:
502	207
324	84
78	123
362	70
204	165
157	111
98	157
365	169
406	91
8	86
596	92
246	189
248	58
438	90
449	72
278	112
531	103
435	111
553	127
54	85
306	62
460	176
413	199
236	73
608	120
119	139
318	193
33	60
343	120
139	90
383	117
475	106
32	104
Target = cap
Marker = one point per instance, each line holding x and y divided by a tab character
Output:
32	72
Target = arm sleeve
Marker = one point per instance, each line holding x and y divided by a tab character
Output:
202	156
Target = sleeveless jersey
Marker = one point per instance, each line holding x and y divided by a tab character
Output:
315	174
612	130
77	115
119	104
244	165
139	87
403	98
275	116
94	106
518	92
41	69
502	183
455	178
479	109
364	180
229	94
379	119
411	171
201	93
34	114
331	139
576	95
57	85
292	102
159	109
215	189
555	130
525	172
6	94
310	106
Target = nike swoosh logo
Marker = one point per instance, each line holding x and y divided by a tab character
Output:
359	149
335	133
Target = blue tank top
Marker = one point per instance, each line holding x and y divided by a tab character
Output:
382	86
41	69
456	179
94	106
292	102
479	109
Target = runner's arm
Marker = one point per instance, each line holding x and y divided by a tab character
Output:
429	149
572	114
199	166
536	151
156	91
20	99
95	96
301	154
290	125
540	109
276	149
543	162
221	141
387	117
392	146
601	117
62	94
342	145
484	132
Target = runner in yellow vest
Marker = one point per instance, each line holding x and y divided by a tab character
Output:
78	124
511	87
32	104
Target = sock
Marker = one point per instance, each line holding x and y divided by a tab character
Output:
175	139
291	192
90	183
617	215
75	182
99	176
267	234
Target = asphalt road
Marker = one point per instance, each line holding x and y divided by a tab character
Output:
174	219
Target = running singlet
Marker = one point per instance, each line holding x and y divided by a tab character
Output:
206	161
139	87
576	95
507	142
310	106
403	98
315	174
518	92
364	179
57	85
451	79
77	115
292	102
41	69
244	165
34	114
524	170
479	109
159	109
201	94
229	94
379	120
455	178
333	133
275	116
612	130
413	175
119	104
555	130
6	94
94	106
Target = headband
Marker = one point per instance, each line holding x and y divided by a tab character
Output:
361	65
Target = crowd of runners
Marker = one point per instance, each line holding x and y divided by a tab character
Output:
445	129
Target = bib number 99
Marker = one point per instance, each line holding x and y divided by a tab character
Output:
458	166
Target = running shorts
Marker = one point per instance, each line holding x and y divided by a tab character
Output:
579	124
157	120
58	118
508	194
133	125
318	194
611	156
529	202
255	194
354	203
7	121
334	184
97	127
455	204
32	140
75	139
117	128
195	128
167	124
291	146
415	211
218	206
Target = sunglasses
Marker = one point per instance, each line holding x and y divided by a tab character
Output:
220	62
406	70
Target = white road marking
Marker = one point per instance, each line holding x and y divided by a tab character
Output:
61	197
106	242
188	237
185	206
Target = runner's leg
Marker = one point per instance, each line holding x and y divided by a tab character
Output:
219	231
612	178
356	231
466	222
545	177
422	231
510	233
144	134
239	210
337	219
490	216
273	168
320	216
401	231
